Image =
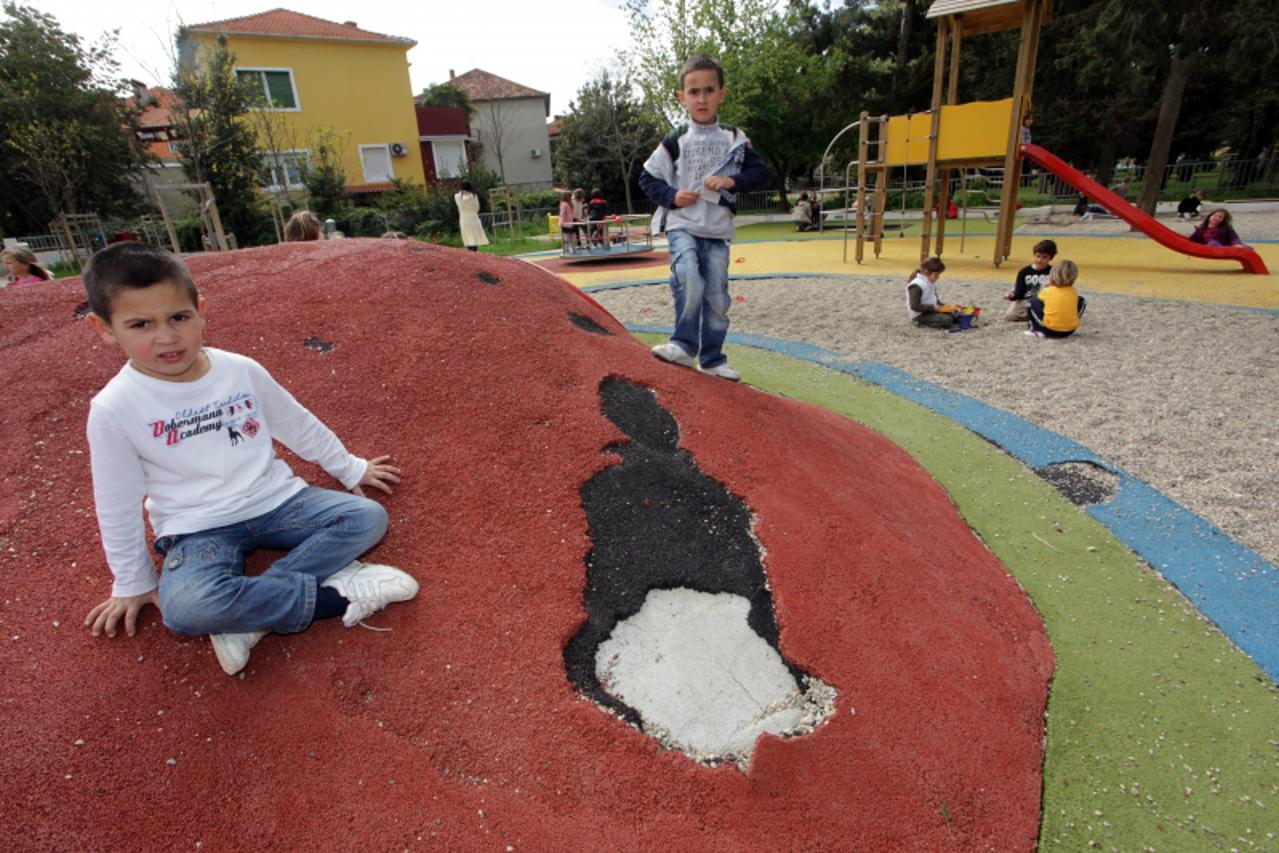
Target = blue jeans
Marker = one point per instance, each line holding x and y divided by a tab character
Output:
699	283
203	589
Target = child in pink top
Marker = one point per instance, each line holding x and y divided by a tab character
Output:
568	231
24	267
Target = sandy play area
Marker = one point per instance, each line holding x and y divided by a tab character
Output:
1177	393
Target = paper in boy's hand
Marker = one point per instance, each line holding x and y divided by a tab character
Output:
709	195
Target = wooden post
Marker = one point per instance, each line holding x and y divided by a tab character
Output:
211	205
863	149
952	97
881	199
66	230
939	73
168	223
1012	158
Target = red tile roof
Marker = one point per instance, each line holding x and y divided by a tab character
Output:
287	24
156	107
482	86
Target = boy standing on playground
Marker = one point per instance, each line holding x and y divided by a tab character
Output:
189	428
694	176
1029	280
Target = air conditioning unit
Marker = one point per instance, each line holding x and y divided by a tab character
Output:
535	152
399	149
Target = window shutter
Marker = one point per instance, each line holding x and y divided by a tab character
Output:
280	89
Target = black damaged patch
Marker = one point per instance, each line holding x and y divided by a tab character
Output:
588	325
316	345
488	277
1081	483
657	522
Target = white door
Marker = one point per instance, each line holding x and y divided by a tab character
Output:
376	160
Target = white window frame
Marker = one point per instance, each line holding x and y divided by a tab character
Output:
390	165
266	91
435	154
271	163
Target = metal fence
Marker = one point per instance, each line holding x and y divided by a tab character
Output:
526	217
1214	176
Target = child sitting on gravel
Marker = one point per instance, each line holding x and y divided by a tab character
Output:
1056	311
190	429
922	300
1029	281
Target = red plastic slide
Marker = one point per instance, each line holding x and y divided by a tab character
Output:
1147	225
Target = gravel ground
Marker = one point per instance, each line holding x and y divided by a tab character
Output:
1179	394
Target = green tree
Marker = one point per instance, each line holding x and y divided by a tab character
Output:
218	144
774	83
1157	80
605	138
446	95
323	175
68	142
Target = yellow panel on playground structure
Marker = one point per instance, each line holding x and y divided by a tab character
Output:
968	132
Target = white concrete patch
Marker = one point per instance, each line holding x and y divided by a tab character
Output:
702	680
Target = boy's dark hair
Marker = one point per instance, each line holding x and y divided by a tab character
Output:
1048	247
701	62
132	264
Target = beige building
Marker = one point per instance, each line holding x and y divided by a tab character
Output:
510	123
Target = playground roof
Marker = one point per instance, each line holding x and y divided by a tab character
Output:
283	23
975	17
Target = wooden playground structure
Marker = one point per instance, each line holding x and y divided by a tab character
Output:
950	136
213	238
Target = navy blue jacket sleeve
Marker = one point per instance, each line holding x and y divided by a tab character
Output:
754	174
658	191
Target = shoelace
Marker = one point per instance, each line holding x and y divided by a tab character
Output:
367	589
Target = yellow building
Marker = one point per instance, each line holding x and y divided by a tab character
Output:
322	76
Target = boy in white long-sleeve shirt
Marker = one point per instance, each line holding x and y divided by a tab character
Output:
190	429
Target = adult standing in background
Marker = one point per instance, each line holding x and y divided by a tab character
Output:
468	217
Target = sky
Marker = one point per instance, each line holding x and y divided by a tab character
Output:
554	46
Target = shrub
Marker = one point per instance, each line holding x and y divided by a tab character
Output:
362	222
541	199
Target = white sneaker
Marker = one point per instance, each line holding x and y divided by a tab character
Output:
369	587
674	353
723	371
232	650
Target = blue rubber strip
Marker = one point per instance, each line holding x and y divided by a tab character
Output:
1230	584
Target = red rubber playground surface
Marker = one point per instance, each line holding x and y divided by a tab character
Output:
458	726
